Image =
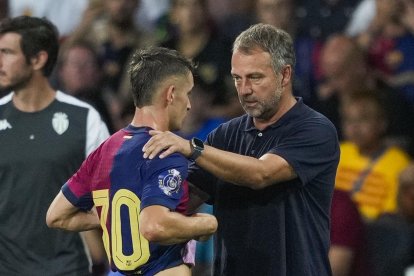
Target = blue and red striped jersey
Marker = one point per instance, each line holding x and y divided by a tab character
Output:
120	183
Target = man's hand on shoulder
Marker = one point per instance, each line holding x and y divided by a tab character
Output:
165	143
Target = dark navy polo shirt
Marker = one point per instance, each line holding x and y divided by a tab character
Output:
282	229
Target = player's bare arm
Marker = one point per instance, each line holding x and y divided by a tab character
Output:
159	224
235	168
63	215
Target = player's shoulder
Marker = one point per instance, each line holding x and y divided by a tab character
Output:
6	99
71	100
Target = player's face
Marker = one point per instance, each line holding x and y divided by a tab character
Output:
181	101
259	88
15	73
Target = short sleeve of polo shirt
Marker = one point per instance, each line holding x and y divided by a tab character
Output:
163	181
310	148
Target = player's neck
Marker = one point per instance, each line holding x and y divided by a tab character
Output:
36	95
150	116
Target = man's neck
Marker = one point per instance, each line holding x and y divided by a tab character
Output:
35	96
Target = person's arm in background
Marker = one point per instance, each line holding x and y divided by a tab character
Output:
96	250
347	234
341	259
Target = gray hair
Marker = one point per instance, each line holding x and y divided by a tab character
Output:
276	42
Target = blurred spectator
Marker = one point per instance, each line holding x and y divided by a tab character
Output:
391	236
368	168
197	38
321	18
347	253
388	39
281	14
3	14
361	17
344	70
232	16
65	14
79	74
149	12
4	9
109	25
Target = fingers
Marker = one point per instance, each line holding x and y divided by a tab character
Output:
156	132
153	147
160	142
164	144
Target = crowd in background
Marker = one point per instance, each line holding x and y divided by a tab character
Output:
355	64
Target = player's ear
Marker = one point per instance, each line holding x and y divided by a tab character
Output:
169	94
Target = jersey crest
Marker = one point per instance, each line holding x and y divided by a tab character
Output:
4	124
171	182
60	122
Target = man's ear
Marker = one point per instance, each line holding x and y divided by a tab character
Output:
286	75
39	60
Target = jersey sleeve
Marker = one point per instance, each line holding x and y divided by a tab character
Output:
163	182
310	148
77	189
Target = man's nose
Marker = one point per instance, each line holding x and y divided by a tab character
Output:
245	87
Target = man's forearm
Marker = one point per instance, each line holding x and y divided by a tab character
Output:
231	167
245	170
79	221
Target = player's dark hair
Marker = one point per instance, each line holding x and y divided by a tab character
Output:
37	34
149	67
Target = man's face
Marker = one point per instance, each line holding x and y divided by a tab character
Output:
181	101
362	123
259	88
15	73
80	70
